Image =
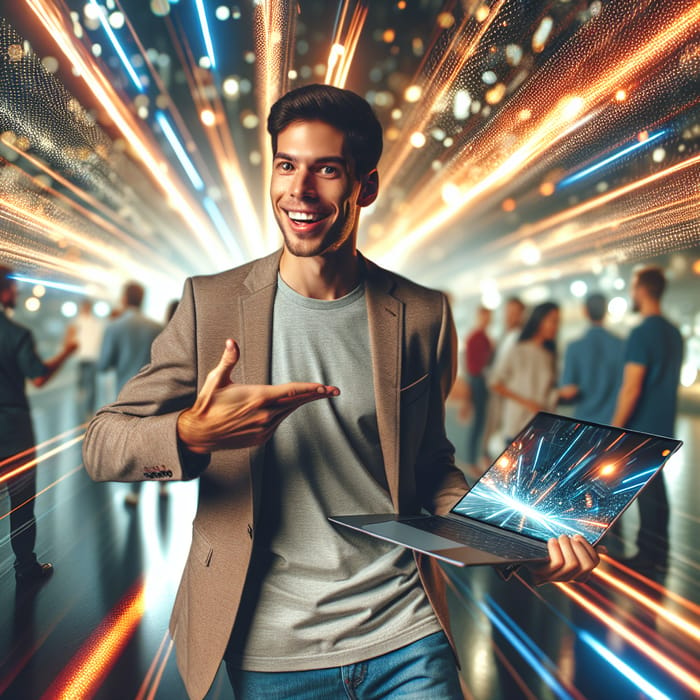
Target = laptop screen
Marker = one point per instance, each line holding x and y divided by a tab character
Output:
562	476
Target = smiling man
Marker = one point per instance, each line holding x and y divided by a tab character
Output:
297	608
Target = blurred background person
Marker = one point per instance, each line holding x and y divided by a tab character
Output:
126	348
648	402
19	361
593	366
89	330
513	319
527	376
478	354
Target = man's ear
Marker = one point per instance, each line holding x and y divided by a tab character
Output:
369	189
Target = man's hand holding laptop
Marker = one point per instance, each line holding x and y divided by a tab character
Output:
570	559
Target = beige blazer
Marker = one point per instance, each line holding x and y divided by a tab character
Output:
413	345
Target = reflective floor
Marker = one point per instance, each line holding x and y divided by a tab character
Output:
98	627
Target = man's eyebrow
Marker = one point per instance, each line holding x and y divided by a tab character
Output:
339	160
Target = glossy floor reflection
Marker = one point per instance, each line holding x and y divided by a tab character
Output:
98	627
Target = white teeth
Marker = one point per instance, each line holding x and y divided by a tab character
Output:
303	216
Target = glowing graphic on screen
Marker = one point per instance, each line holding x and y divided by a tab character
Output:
562	476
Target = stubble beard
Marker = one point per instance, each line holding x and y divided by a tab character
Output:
333	240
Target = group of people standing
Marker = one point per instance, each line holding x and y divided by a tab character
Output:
629	383
123	344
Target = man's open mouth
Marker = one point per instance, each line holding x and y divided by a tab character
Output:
305	217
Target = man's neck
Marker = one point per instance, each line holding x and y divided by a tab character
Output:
650	307
324	277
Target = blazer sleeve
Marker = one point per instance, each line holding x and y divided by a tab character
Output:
135	438
440	483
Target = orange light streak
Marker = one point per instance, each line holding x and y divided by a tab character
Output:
437	86
221	143
671	618
595	203
87	242
49	261
649	650
565	117
47	227
17	456
566	232
38	460
274	24
44	490
55	22
164	92
144	693
337	47
86	671
344	44
670	595
78	192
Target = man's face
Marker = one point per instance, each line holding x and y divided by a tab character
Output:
514	315
315	196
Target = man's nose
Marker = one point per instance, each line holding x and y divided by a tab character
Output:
303	184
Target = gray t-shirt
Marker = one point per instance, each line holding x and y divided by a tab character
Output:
319	595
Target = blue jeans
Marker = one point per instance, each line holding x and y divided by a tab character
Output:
424	670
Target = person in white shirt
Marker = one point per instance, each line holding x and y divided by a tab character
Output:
89	329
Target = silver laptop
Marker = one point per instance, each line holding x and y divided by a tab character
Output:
559	476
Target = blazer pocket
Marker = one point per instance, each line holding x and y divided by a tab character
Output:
413	391
200	550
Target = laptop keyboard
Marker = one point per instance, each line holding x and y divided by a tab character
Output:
479	538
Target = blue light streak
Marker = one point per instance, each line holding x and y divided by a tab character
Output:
205	32
524	645
180	152
102	14
625	669
610	159
221	226
521	642
642	476
76	289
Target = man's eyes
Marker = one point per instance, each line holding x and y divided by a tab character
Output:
329	171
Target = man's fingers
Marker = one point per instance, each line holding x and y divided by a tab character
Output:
570	559
297	394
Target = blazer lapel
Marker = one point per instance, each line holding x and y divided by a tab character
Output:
257	319
256	311
385	320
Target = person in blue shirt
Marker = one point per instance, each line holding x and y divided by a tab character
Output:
647	401
593	367
126	348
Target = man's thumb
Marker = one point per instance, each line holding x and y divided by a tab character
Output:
228	360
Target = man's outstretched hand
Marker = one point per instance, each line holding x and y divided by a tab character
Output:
227	415
570	559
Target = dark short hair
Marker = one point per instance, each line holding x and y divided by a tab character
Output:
653	280
515	300
596	306
6	280
133	294
339	108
